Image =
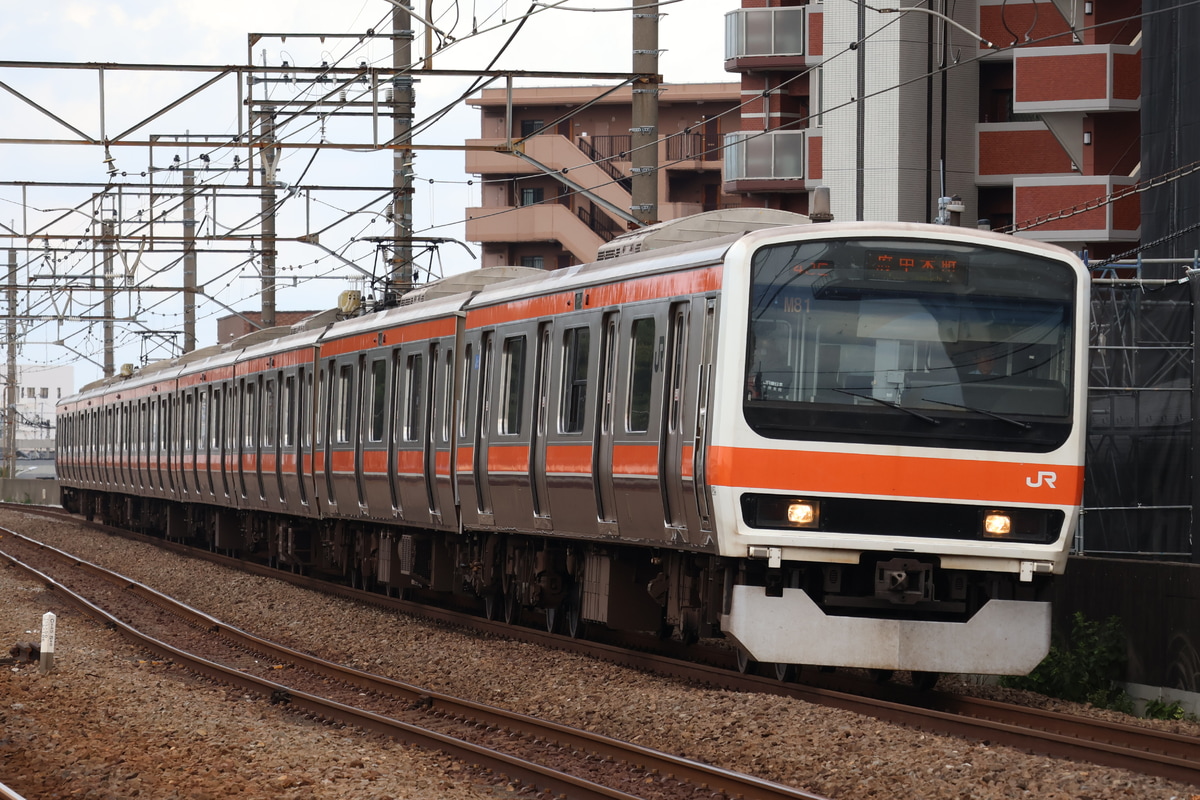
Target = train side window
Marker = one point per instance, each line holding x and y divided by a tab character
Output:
574	391
412	399
250	415
189	421
269	410
321	408
468	369
378	398
512	390
215	426
641	375
343	404
306	390
447	396
202	419
287	412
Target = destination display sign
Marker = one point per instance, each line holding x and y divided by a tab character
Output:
910	266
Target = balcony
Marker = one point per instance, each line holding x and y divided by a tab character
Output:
1077	78
556	152
773	38
1008	150
1071	209
543	222
772	161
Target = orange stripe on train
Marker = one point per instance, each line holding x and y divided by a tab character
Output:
896	476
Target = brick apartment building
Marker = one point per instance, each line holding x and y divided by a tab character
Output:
1045	122
529	218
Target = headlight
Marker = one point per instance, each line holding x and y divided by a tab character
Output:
997	525
802	513
781	512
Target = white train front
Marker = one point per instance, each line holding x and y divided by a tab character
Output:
841	444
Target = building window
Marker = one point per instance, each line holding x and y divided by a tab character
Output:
528	126
44	392
531	196
537	262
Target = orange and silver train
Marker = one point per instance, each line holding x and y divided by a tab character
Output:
843	444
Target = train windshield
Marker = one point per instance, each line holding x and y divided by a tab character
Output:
910	341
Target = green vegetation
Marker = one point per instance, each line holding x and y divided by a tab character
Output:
1085	669
1160	709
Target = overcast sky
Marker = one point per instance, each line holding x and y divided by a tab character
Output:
215	32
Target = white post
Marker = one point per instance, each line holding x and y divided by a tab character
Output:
49	624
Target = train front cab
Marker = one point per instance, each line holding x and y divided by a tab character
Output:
892	505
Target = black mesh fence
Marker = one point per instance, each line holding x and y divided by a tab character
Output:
1138	492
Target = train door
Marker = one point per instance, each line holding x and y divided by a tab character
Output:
212	413
433	415
356	430
483	425
699	465
245	390
304	420
160	412
173	441
229	440
393	432
325	432
188	481
268	456
537	439
287	432
147	478
671	466
602	451
445	405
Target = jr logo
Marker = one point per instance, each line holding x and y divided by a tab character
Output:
1042	479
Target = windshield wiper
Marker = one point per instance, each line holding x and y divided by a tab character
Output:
1022	425
890	404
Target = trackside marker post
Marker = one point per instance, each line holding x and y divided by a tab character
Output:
49	624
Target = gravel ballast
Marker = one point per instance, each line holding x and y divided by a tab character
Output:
110	722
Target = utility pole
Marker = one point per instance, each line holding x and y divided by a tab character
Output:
10	394
107	238
270	162
644	133
403	100
189	260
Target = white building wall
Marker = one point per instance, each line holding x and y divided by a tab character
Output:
901	142
39	389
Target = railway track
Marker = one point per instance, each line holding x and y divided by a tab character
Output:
1100	742
536	753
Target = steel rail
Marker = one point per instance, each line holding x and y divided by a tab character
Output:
1138	749
714	778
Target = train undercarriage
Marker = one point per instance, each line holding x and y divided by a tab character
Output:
569	584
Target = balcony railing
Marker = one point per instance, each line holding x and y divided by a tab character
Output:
765	32
692	146
602	152
770	155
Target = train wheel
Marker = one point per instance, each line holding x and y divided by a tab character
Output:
573	612
745	664
553	616
784	672
925	681
880	675
512	609
493	602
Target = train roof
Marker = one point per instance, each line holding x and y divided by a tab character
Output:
696	228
